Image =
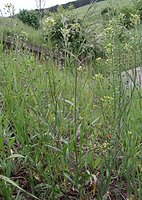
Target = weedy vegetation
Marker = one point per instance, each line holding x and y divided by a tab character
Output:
71	122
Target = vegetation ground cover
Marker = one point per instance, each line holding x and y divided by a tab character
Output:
73	131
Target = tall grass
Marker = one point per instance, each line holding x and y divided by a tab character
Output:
74	132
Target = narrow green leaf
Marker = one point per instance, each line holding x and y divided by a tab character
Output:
69	178
15	156
8	180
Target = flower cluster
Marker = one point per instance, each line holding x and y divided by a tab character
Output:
107	99
109	48
135	19
23	35
98	77
65	32
79	69
109	30
127	47
49	22
98	60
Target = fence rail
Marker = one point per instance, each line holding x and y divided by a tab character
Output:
14	44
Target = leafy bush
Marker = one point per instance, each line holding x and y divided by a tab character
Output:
138	5
63	27
108	10
126	15
108	13
30	18
65	30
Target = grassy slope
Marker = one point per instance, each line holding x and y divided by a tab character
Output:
100	5
15	27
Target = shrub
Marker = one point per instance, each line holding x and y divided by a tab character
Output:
66	30
108	13
63	27
30	18
108	10
126	15
138	5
